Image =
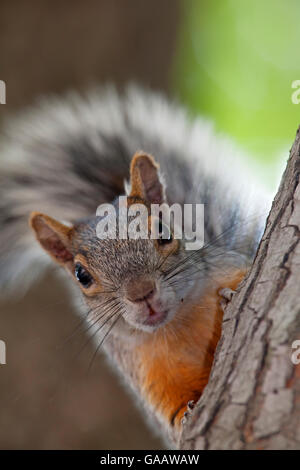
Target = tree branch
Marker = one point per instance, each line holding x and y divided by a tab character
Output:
252	400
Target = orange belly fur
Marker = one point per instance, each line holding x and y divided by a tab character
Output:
177	359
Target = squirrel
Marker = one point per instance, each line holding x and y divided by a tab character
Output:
155	308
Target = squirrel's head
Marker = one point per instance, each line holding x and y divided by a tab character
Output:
128	281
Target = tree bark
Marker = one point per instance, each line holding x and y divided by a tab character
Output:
252	400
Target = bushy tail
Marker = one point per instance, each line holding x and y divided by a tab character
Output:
65	157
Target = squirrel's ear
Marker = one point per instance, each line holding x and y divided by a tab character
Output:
144	179
53	236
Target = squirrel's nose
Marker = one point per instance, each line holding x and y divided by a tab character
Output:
140	290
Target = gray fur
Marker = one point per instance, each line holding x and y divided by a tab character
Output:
66	156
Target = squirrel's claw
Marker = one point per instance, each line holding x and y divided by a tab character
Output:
226	293
189	408
191	405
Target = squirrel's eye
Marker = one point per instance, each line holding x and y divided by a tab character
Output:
165	235
83	276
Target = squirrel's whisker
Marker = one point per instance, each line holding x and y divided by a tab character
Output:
97	319
104	338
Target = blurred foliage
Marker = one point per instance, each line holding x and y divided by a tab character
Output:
236	62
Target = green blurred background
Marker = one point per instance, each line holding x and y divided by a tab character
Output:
233	61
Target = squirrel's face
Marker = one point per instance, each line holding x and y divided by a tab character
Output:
130	277
123	280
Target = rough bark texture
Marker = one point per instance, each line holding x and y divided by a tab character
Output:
252	400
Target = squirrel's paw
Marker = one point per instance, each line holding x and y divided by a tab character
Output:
189	409
226	293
